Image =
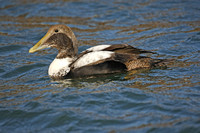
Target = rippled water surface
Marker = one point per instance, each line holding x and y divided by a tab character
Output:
159	100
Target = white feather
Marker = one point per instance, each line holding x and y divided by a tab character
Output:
60	67
98	48
92	57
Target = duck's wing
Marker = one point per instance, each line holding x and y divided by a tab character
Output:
104	62
104	59
125	48
92	58
97	62
119	52
118	48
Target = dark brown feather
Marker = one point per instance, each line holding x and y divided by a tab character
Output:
125	48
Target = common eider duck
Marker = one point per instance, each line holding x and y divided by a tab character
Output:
101	59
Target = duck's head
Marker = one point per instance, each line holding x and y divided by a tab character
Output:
60	37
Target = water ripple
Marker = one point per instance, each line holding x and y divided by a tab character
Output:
159	100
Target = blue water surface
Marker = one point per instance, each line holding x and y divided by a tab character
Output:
146	101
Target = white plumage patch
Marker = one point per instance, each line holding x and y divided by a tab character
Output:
98	48
92	58
60	67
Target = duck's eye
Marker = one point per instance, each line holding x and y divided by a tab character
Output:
56	30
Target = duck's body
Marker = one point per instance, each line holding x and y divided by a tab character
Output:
101	59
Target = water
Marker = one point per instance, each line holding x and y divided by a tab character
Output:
150	101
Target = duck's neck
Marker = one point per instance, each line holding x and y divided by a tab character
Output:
67	53
60	67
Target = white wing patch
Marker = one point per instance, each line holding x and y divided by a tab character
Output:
92	57
60	67
98	48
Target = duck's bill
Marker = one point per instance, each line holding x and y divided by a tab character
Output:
37	48
40	45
